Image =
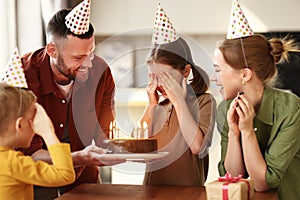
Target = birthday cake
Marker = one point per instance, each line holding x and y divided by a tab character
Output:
132	145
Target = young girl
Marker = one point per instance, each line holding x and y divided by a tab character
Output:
183	120
20	118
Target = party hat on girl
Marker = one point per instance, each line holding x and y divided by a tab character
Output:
163	32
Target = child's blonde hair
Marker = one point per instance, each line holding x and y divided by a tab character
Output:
14	103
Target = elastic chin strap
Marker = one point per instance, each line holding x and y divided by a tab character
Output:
21	101
242	44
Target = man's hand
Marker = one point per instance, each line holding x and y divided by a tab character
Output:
94	156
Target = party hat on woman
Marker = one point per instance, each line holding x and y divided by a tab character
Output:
238	25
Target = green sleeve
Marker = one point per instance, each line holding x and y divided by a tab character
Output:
284	148
222	126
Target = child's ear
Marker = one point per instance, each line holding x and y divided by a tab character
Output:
19	124
187	70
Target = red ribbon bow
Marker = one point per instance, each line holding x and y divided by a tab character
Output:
230	179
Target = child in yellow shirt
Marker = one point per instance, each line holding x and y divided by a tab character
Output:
20	118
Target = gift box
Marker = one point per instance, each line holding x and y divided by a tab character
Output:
230	188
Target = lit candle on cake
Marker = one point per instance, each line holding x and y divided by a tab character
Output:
141	130
114	130
110	131
118	132
138	130
145	128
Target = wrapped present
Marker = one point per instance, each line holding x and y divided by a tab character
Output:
230	188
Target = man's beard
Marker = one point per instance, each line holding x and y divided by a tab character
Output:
60	65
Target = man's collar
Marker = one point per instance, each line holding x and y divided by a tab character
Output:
46	76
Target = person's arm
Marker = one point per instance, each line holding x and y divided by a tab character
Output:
43	127
193	135
254	161
90	156
231	151
196	134
234	161
60	173
253	158
153	101
104	102
268	170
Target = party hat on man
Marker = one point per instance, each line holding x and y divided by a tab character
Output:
163	32
238	25
14	73
78	20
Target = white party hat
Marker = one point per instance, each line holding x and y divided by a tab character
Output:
238	24
14	72
78	20
163	32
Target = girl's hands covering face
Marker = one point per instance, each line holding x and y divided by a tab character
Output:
152	89
174	90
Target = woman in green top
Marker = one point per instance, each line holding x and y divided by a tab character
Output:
259	125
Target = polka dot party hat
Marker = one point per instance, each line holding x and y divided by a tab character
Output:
14	73
163	32
238	25
78	20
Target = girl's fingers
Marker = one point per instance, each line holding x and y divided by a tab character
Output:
150	78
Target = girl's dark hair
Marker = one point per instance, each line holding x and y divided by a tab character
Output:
177	54
257	53
58	29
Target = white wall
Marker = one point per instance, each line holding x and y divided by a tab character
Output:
8	31
194	16
29	21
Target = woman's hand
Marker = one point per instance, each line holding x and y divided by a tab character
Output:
151	89
233	118
240	115
246	113
174	90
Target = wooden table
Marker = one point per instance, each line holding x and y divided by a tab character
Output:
129	192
